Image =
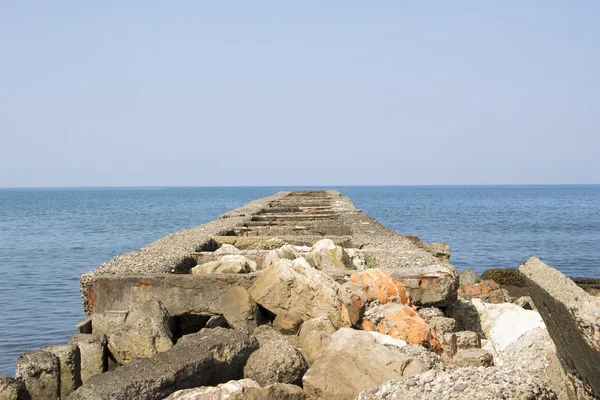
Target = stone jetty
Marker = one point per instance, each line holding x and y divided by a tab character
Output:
302	296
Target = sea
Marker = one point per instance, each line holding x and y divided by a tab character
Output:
49	237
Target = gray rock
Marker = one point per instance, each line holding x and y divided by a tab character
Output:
355	361
479	383
469	277
326	255
285	252
92	350
442	325
12	389
207	358
40	372
429	312
144	333
276	361
228	264
322	323
69	358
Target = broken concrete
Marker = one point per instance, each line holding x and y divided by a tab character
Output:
92	350
12	389
207	358
572	317
69	359
40	372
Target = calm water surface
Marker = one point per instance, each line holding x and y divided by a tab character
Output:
50	237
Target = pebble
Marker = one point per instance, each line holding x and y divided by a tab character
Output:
460	387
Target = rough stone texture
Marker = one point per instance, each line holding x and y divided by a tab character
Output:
228	264
452	342
297	288
12	389
227	249
243	389
488	291
40	372
469	277
357	360
442	325
479	383
288	323
287	252
428	313
438	250
525	302
276	361
144	333
428	286
92	349
326	256
69	358
472	357
314	343
377	284
508	276
211	294
572	317
352	305
322	323
209	357
401	322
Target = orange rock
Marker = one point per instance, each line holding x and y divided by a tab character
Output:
377	284
488	291
401	322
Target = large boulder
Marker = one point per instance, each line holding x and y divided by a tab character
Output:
228	264
469	277
243	389
508	276
315	335
207	358
401	322
378	284
144	333
276	361
573	320
296	288
476	383
326	255
40	372
227	249
357	360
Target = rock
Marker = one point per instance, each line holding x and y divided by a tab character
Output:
427	313
69	359
401	322
286	252
314	343
266	333
508	276
239	308
227	249
452	342
40	373
229	264
217	321
295	287
352	305
573	320
472	357
358	260
12	389
207	358
488	291
276	361
525	302
504	323
476	383
326	255
469	277
287	323
438	250
92	349
322	323
244	389
466	315
355	361
378	284
144	333
442	325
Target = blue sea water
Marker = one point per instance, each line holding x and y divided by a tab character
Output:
49	237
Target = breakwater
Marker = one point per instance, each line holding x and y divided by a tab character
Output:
274	268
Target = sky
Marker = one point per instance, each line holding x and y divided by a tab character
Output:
270	93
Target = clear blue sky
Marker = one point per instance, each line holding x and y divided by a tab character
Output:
115	93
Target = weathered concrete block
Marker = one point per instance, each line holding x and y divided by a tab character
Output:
12	389
40	372
572	317
69	358
472	357
211	294
92	349
207	358
430	286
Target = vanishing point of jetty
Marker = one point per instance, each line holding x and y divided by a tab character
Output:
302	296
